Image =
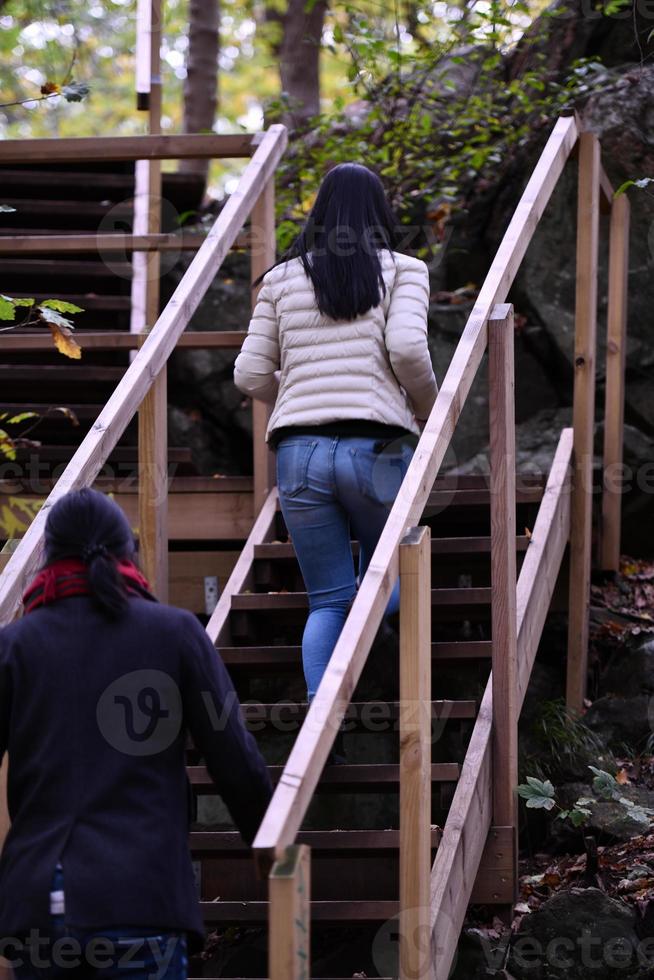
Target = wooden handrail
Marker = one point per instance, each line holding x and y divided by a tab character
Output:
111	149
308	756
153	355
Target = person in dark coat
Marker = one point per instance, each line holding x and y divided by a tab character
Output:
99	686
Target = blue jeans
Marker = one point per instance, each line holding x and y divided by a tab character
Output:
332	488
117	953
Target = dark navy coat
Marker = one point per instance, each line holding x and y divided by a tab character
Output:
94	715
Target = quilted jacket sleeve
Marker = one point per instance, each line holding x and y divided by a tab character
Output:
256	369
406	336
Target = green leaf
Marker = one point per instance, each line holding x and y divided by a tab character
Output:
540	803
60	305
7	309
579	817
7	448
15	419
22	301
604	783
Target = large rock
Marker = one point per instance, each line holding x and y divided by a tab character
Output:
622	720
610	820
576	935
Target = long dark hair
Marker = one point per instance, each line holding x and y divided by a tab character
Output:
350	220
89	525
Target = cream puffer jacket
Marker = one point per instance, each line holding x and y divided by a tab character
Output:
315	369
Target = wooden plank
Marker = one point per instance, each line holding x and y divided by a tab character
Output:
146	25
606	191
283	656
439	546
345	911
311	747
153	486
462	842
145	296
358	778
110	340
415	752
117	413
466	833
108	149
501	383
263	254
208	843
541	565
289	934
616	343
187	572
35	242
206	516
5	822
242	575
495	879
583	418
262	601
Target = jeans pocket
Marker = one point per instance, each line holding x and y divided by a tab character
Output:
380	474
292	464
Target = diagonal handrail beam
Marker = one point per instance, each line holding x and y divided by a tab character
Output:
309	754
112	421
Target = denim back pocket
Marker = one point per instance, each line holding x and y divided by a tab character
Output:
292	464
380	474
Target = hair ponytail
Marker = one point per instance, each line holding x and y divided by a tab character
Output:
89	525
106	583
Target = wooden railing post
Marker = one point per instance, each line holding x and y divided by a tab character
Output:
583	418
504	586
415	753
615	369
289	936
263	253
153	413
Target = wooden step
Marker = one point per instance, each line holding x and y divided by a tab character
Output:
60	372
90	268
358	712
119	454
229	843
81	209
265	601
359	912
273	657
368	778
439	546
45	409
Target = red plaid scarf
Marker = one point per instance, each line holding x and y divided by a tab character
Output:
69	577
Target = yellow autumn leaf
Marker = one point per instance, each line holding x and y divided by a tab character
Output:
64	341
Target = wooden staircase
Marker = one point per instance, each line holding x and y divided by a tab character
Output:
422	820
355	851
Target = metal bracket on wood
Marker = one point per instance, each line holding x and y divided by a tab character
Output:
496	881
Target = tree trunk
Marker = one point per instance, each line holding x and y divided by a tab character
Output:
299	59
201	84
